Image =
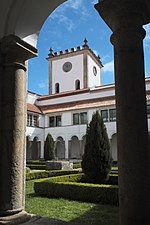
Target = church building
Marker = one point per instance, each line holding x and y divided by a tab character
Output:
75	93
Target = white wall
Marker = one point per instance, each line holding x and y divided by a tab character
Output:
31	97
92	94
67	132
93	80
67	79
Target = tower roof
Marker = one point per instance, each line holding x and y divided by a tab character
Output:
74	51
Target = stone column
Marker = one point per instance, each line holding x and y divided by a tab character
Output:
14	52
66	149
125	18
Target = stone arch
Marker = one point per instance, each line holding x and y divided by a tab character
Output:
60	148
114	147
21	18
74	148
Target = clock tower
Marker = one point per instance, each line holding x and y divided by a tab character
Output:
73	70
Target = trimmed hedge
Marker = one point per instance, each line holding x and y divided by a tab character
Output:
76	165
41	165
27	170
69	187
36	164
51	173
36	167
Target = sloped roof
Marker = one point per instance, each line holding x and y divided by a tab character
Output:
84	104
33	108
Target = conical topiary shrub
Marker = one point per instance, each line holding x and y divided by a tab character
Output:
49	150
97	160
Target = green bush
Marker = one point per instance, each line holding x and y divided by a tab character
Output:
27	170
49	151
36	162
45	174
97	161
76	165
36	167
69	187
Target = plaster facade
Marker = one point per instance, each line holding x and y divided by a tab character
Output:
69	101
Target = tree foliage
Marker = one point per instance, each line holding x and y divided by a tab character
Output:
97	160
49	150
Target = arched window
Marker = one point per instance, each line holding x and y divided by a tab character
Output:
77	84
57	88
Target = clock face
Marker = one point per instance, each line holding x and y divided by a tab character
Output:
94	70
67	66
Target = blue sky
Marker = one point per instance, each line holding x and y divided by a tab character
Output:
67	27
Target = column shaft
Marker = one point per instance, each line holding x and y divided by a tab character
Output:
66	149
125	18
14	52
131	127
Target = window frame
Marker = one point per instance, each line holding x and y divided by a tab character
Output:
105	119
31	120
80	121
112	118
56	122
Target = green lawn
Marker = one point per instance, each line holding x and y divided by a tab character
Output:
66	210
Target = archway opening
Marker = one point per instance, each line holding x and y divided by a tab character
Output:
36	147
74	149
60	148
66	29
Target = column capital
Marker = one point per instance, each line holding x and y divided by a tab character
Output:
124	14
14	50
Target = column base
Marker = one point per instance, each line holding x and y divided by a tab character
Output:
18	218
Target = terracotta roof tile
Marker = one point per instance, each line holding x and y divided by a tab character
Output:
33	108
90	103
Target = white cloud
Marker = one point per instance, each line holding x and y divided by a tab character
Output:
43	85
95	52
109	67
147	28
147	37
105	59
94	2
63	19
66	21
74	4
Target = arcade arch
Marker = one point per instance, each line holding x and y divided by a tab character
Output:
74	148
60	148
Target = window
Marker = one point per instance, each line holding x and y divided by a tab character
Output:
35	121
83	118
112	114
80	118
32	120
104	115
148	111
77	85
51	121
55	121
75	118
57	88
58	121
